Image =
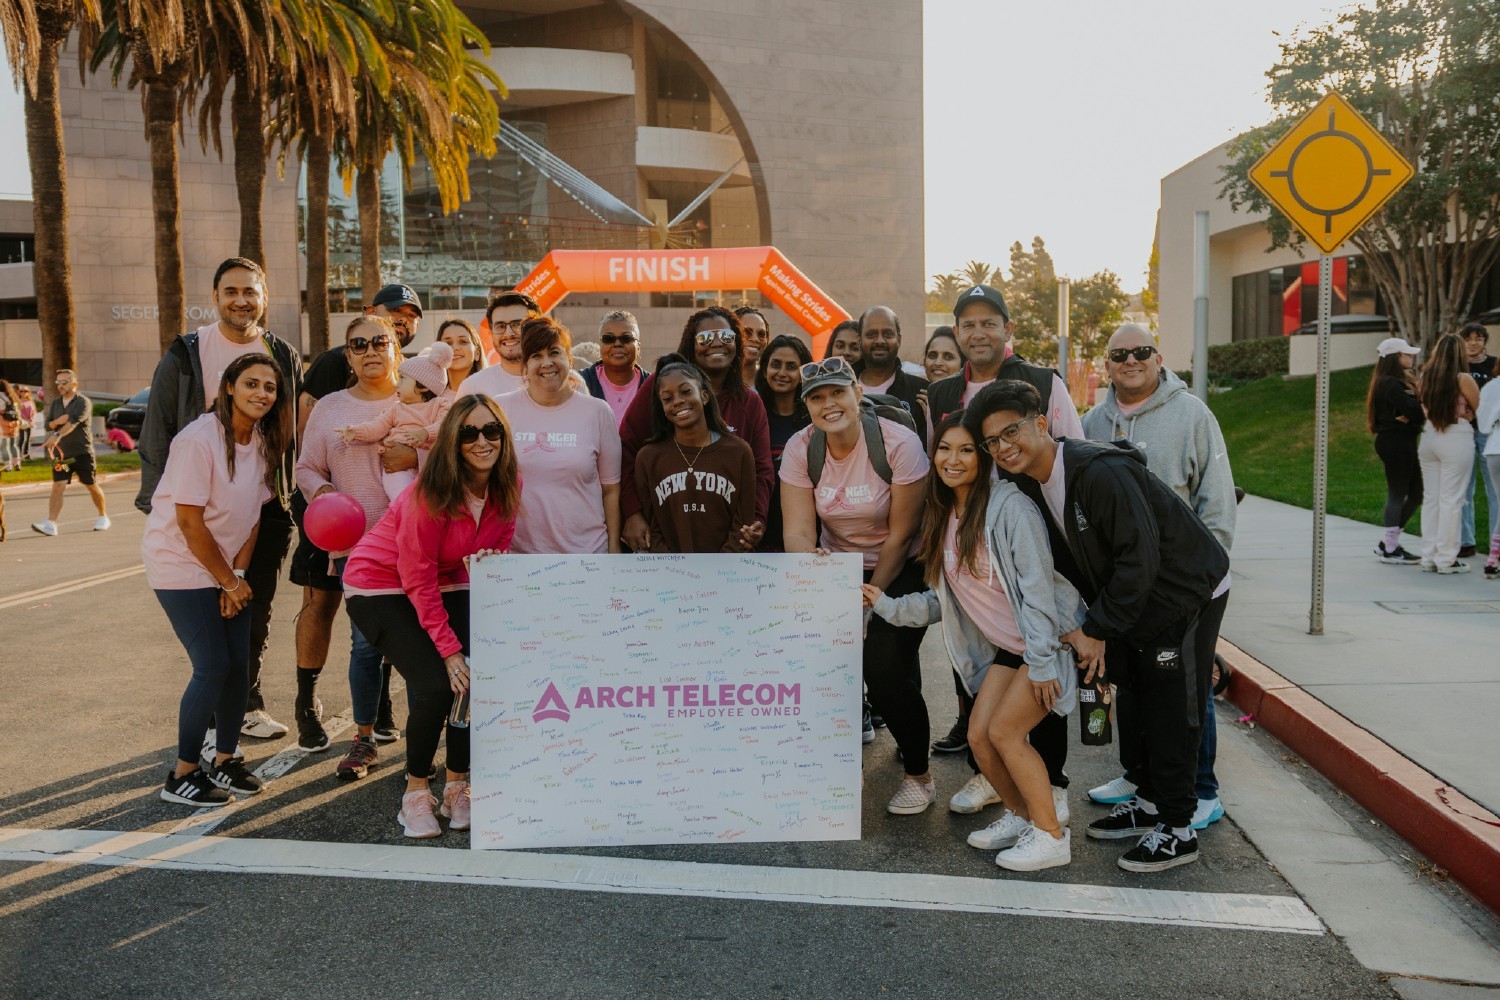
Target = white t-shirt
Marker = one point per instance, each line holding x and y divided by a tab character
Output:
216	353
493	382
853	502
1055	491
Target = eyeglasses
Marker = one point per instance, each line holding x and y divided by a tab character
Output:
363	345
610	339
707	337
1009	434
492	431
508	326
827	366
1119	354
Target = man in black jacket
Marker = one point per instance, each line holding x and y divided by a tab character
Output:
181	392
982	324
879	365
1149	570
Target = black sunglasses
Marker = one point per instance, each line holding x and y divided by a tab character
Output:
361	345
1119	354
492	431
609	339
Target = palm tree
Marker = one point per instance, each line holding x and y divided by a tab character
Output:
976	272
947	286
35	31
439	100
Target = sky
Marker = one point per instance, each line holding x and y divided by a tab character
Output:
1051	119
1059	120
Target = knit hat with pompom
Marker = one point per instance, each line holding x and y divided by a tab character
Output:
430	368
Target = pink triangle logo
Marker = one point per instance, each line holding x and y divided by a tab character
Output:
551	706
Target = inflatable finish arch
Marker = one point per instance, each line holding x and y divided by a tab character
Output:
765	268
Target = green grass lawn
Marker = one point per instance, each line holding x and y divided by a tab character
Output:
38	471
1268	425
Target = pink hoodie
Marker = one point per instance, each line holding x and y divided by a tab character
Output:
411	551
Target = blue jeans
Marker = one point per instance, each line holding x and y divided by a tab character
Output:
364	670
1466	519
219	651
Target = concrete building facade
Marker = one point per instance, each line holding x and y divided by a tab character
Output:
776	122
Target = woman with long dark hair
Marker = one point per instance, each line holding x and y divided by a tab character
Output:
407	587
1002	604
205	514
843	342
757	334
1446	452
468	354
1394	415
714	340
696	480
777	382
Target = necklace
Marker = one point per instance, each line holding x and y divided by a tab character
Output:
695	458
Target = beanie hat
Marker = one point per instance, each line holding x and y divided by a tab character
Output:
430	368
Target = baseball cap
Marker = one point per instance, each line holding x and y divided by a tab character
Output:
829	371
981	293
397	295
1395	345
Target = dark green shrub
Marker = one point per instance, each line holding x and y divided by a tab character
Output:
1247	360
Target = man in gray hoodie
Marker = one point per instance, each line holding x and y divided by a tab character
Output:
1154	410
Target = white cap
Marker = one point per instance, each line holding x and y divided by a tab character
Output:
1395	345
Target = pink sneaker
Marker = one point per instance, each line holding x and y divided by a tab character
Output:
416	816
456	804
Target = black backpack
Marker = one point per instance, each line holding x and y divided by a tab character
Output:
871	407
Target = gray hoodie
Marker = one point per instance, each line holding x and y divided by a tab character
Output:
1183	447
1045	605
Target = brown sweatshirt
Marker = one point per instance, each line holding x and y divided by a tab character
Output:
701	511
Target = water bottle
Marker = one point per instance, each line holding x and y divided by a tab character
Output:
1095	699
458	715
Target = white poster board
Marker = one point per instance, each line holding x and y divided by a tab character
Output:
665	699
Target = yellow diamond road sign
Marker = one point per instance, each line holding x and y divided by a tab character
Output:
1331	172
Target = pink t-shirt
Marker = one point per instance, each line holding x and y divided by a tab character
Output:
882	387
567	454
982	596
1062	415
853	502
216	353
197	474
493	382
349	468
619	396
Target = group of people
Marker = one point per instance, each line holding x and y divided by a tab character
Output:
975	498
1430	427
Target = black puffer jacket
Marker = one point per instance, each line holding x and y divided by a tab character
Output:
1139	555
947	394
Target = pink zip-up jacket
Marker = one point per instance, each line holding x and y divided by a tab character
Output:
410	551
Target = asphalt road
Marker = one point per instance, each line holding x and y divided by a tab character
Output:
91	676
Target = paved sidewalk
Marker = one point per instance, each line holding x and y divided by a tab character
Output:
1412	657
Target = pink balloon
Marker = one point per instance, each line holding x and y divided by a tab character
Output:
334	522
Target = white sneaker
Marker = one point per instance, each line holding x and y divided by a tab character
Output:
259	724
211	749
44	527
1036	850
1002	833
1113	792
974	796
101	523
1060	805
1207	813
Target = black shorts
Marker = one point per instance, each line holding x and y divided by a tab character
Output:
63	470
309	563
1005	658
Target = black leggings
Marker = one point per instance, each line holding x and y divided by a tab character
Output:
893	673
271	546
390	624
1049	738
1403	476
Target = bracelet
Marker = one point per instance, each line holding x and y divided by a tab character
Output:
230	590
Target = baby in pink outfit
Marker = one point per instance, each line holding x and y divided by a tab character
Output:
423	401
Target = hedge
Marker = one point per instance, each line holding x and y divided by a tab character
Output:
1247	360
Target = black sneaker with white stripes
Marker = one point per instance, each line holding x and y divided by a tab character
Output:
1159	850
194	789
234	776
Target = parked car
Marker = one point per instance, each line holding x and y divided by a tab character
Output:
1351	323
129	415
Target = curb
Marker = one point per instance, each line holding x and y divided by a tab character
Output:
24	489
1440	821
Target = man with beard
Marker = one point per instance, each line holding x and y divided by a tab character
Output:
879	367
506	313
183	388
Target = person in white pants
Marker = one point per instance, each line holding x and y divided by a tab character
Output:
1446	452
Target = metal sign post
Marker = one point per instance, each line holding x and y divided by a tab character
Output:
1063	288
1320	444
1328	175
